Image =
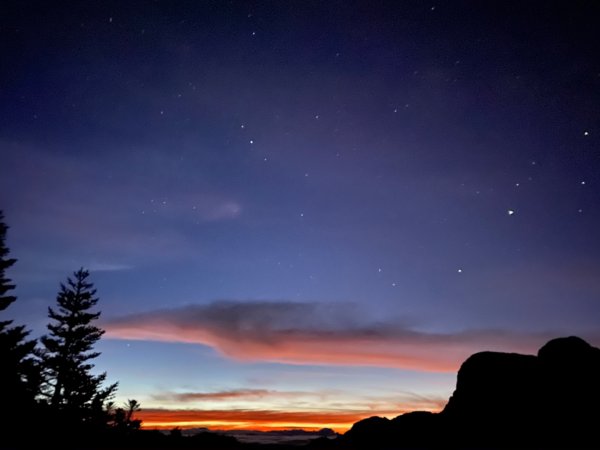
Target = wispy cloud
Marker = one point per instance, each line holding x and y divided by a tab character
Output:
107	267
398	401
313	333
219	395
111	212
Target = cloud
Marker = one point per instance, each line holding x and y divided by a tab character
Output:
328	400
133	212
252	419
220	395
313	333
107	267
222	210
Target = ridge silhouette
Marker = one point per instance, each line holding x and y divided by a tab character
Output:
504	400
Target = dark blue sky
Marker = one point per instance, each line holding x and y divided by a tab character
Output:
305	186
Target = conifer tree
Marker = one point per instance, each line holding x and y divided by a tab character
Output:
123	418
19	373
5	263
71	386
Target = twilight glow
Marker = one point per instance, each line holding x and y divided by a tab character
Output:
301	214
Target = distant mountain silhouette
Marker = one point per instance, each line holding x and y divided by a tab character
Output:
295	437
504	400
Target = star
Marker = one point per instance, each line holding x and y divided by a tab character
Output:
251	141
586	133
459	270
510	212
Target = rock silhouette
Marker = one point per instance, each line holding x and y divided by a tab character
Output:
504	400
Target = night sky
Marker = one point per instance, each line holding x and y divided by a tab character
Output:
302	213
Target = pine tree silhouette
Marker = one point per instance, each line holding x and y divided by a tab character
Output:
5	263
19	373
71	387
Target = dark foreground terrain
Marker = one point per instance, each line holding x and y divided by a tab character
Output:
502	401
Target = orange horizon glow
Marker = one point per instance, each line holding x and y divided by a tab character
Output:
258	420
246	426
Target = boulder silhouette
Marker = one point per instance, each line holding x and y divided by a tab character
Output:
570	392
374	432
411	430
527	401
419	429
496	398
504	400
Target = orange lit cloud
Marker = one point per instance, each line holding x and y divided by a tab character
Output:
309	333
255	420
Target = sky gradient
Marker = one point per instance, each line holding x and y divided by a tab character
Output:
303	213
